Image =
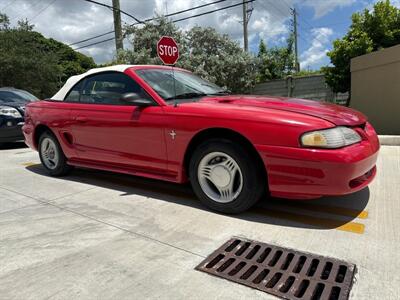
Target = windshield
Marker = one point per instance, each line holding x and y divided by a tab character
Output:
186	85
26	95
16	97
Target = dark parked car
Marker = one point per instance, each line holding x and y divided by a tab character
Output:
12	108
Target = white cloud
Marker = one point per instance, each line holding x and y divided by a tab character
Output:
70	21
323	7
73	20
318	49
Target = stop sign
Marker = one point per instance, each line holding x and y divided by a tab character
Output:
167	50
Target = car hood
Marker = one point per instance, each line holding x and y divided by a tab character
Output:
336	114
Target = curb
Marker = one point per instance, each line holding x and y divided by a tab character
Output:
389	140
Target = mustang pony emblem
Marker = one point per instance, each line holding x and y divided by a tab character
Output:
172	134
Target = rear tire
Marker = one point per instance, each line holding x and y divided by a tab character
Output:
51	155
225	176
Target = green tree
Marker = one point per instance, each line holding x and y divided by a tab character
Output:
370	31
32	62
262	48
144	42
4	22
275	63
204	51
24	25
219	59
26	67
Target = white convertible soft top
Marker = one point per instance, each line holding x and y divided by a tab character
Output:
74	79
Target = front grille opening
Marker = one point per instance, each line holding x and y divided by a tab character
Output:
362	179
285	273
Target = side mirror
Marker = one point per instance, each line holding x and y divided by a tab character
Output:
137	100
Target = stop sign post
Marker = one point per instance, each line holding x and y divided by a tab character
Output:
167	50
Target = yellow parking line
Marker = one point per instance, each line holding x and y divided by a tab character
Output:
29	164
353	227
337	210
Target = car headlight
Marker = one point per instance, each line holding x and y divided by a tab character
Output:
330	138
9	111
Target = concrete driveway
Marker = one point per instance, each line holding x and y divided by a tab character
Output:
98	235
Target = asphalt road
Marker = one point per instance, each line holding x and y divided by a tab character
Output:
98	235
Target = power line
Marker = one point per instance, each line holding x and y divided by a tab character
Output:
153	19
174	21
316	37
186	10
92	38
212	11
51	3
7	5
284	14
287	4
32	5
304	40
103	41
330	24
112	8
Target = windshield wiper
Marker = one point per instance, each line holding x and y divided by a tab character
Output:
186	96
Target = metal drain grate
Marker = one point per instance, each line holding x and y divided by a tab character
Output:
283	272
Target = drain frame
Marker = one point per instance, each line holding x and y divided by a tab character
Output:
283	272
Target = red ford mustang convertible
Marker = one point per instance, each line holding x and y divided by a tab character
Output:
172	125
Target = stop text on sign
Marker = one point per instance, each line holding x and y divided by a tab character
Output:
167	50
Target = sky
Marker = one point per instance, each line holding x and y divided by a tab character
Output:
320	22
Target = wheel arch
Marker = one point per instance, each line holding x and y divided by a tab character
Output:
39	130
222	133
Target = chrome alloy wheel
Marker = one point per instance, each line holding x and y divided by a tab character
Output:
220	177
50	155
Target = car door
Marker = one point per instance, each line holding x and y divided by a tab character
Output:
114	133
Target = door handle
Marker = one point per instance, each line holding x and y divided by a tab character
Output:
81	119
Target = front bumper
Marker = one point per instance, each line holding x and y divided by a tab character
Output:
10	130
301	173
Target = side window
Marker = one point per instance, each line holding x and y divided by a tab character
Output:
109	88
73	94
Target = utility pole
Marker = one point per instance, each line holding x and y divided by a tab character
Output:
245	22
246	17
117	25
296	58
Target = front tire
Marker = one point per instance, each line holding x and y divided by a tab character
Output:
225	177
52	156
